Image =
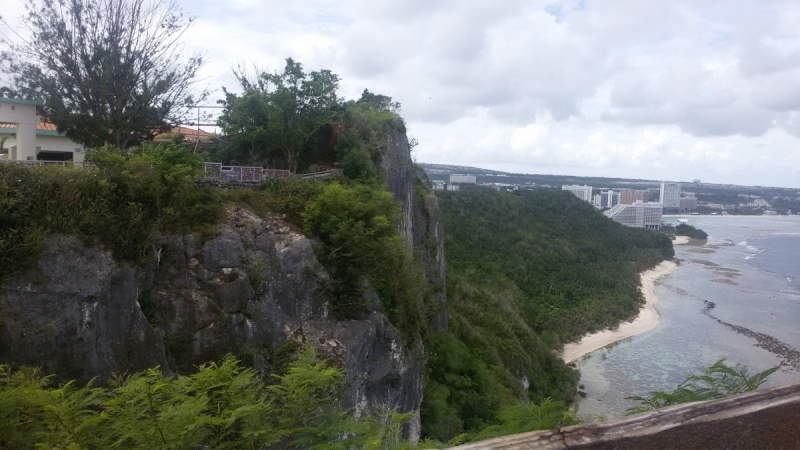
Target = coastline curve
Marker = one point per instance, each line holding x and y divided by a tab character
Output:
647	319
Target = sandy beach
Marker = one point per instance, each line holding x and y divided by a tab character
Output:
647	319
680	240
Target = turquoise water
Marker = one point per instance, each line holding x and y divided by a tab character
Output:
736	297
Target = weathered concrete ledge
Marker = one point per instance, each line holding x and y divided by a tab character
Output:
766	419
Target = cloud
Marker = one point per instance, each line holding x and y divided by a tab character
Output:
631	87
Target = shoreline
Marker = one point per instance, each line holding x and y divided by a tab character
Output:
647	319
680	240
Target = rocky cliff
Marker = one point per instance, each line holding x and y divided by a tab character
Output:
256	289
421	222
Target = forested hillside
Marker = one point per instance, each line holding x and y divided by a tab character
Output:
527	272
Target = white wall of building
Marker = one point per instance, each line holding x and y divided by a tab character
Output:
637	215
22	113
582	192
49	144
670	195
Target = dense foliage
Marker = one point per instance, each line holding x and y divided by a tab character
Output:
708	383
284	111
527	272
125	201
223	405
688	230
294	119
355	224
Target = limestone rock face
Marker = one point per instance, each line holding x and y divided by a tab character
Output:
250	290
253	290
77	315
421	221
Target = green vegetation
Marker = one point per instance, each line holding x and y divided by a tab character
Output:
527	272
223	405
133	197
107	71
708	383
688	230
294	119
355	222
125	202
280	112
519	418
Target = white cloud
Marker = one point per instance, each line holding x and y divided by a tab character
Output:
636	88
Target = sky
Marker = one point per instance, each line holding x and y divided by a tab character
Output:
667	90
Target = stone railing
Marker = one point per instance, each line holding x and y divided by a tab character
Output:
766	419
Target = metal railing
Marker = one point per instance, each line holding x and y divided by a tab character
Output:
244	174
326	174
212	170
276	174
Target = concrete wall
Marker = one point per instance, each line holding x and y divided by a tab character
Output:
48	143
24	115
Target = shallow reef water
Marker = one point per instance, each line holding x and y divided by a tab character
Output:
740	300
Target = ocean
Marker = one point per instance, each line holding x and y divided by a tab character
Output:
736	296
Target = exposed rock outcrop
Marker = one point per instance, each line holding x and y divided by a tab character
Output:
255	289
421	222
249	290
77	315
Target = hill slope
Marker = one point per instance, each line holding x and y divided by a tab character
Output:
527	272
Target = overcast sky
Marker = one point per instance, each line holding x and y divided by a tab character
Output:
652	89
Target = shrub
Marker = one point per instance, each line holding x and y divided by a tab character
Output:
125	202
357	164
707	383
357	226
223	405
688	230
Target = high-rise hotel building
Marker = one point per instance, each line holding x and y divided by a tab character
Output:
582	192
670	195
638	215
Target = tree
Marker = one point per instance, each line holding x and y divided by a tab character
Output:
303	104
284	111
108	71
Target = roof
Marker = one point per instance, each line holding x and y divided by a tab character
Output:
189	134
21	101
49	129
42	129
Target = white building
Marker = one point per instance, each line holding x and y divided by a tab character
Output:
442	186
582	192
27	138
670	195
463	179
607	199
638	215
